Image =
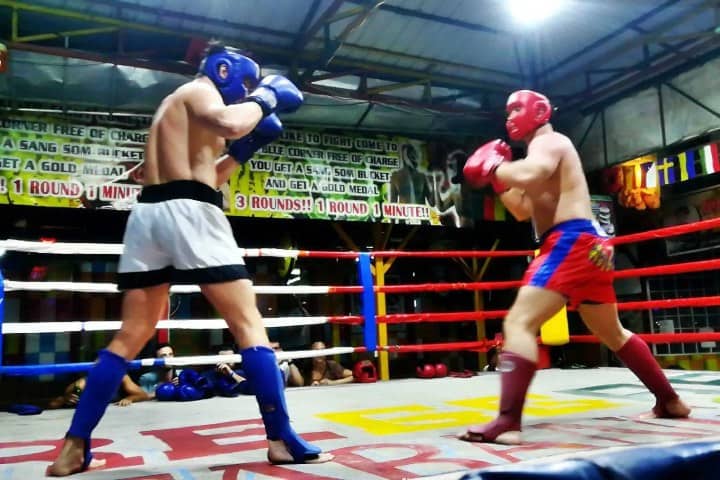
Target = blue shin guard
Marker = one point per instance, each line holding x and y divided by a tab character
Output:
102	383
265	378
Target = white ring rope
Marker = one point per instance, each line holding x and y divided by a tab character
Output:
88	287
237	358
109	325
64	248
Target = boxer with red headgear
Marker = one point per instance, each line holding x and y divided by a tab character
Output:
527	111
575	264
177	234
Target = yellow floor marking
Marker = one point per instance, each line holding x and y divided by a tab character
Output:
541	405
406	419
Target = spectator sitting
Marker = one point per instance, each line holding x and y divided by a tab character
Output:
150	380
290	371
225	379
328	372
70	397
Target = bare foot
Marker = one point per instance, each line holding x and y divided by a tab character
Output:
675	408
511	437
278	454
504	430
71	459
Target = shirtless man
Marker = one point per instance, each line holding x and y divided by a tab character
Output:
575	264
328	372
177	234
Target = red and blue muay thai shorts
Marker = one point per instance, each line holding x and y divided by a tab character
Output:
576	260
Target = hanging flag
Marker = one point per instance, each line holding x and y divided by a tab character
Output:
666	170
710	162
687	165
650	174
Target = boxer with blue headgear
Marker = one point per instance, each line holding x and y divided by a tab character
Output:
233	74
178	233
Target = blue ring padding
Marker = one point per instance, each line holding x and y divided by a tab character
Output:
693	460
22	370
369	309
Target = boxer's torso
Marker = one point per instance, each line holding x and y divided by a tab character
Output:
179	147
565	195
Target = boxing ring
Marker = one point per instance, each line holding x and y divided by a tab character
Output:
589	423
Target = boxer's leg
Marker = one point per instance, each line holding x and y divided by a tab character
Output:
518	363
603	322
235	301
141	311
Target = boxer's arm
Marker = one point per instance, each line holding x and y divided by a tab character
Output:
133	392
205	105
517	203
224	167
541	162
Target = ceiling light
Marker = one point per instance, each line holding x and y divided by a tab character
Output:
533	12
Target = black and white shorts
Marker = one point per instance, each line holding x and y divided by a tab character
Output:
178	234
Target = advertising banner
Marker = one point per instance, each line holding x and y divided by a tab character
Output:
91	163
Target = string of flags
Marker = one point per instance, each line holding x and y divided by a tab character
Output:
637	182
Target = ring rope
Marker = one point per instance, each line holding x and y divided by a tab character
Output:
89	287
710	301
117	248
296	321
685	267
659	337
72	248
194	324
480	346
661	233
171	361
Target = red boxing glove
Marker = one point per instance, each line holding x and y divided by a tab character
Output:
480	167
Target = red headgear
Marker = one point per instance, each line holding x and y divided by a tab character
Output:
364	372
534	112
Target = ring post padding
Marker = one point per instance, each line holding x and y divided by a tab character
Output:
555	331
368	302
2	314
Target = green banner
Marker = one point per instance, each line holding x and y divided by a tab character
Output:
333	177
97	163
54	163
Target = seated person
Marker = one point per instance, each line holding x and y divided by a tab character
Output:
328	372
291	373
128	393
225	380
150	380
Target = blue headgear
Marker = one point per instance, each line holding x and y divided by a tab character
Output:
241	73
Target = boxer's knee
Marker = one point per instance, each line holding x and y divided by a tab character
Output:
520	321
618	339
128	342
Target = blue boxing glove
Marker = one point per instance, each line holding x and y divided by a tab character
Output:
276	93
165	392
267	130
188	393
188	377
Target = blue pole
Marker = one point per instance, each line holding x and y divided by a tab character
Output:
368	302
2	315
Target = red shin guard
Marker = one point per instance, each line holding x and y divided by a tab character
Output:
517	373
636	355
